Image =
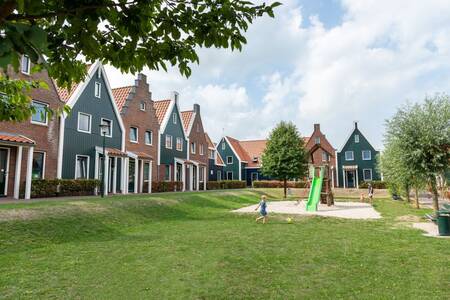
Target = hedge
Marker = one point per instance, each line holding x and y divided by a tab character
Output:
376	184
279	184
67	187
166	186
225	184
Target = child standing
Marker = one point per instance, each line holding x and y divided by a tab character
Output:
370	192
262	209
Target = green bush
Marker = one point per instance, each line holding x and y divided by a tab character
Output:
225	184
376	184
67	187
166	186
279	184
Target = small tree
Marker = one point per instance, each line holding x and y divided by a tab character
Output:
422	135
285	156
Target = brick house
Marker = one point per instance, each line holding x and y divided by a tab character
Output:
215	164
197	169
141	127
29	150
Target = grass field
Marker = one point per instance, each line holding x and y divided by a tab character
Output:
189	245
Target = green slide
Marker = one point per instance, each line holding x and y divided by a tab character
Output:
314	192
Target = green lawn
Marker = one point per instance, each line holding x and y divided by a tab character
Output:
189	245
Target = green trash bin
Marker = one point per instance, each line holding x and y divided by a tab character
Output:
443	222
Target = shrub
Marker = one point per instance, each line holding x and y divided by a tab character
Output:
376	184
67	187
166	186
225	184
279	184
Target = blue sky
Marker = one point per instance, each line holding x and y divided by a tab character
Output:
319	61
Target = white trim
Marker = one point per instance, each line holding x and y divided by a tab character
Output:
348	138
371	175
137	135
174	118
370	155
195	147
151	137
353	155
191	123
114	187
159	151
226	177
60	147
43	162
78	122
168	116
46	114
98	88
232	160
356	140
8	152
18	171
111	129
171	141
28	71
234	151
136	175
337	168
201	149
140	106
29	172
181	143
87	165
357	178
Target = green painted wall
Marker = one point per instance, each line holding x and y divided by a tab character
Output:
234	167
81	143
175	130
357	149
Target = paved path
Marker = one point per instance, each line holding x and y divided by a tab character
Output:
429	228
347	210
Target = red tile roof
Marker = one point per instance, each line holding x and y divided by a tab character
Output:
210	143
186	117
64	93
238	148
143	155
115	152
120	95
161	107
254	151
219	160
15	138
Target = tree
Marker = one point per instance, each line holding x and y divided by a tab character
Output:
422	134
61	36
285	156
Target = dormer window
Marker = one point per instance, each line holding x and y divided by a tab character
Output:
143	106
317	140
356	138
97	90
25	65
223	146
174	118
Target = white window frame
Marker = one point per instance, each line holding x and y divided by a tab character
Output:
179	142
151	137
324	156
364	175
28	69
90	122
170	139
219	172
46	114
137	135
356	138
212	154
370	155
174	118
201	149
349	159
98	89
143	106
43	162
223	145
111	131
317	140
170	173
87	165
193	147
229	163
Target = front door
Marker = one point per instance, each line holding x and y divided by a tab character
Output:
194	178
229	175
219	175
350	179
131	177
254	177
3	170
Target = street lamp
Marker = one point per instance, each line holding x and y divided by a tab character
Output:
103	129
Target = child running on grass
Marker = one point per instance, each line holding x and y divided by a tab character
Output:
262	210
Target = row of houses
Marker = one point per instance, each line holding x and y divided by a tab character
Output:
141	140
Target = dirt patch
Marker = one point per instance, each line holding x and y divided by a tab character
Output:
408	218
88	206
19	214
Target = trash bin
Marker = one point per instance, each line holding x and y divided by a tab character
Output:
443	222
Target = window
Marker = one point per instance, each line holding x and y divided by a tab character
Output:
25	65
356	138
167	173
223	146
317	140
107	129
174	118
349	155
193	147
198	127
143	106
40	113
202	169
98	89
179	144
255	159
82	167
229	159
367	174
202	150
324	156
38	165
133	134
168	141
211	154
366	155
149	137
84	122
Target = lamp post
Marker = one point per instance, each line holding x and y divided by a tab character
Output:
103	128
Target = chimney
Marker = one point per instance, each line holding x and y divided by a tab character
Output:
356	124
142	77
175	96
197	108
316	127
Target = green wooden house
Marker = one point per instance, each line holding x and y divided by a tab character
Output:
356	161
235	159
81	135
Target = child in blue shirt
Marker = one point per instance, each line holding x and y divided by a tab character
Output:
262	210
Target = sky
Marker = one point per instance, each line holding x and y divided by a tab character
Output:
331	62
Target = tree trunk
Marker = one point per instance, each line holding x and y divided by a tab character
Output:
407	189
435	194
416	192
285	187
